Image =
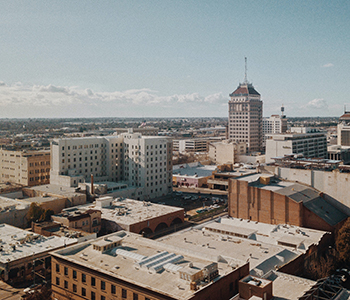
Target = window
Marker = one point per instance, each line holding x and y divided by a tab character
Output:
74	288
93	296
65	271
135	297
103	285
93	281
124	294
83	278
113	290
57	281
103	297
66	284
57	268
83	291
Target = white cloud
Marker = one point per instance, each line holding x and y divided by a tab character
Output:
329	65
18	97
316	104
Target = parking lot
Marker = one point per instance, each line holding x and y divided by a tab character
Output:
193	203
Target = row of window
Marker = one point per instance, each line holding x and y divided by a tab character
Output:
93	283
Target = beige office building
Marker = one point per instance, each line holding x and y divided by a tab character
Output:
245	117
28	168
226	152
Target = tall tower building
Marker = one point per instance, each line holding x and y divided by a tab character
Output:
245	116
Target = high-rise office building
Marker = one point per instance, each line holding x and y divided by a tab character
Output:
245	116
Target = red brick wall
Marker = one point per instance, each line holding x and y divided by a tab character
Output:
261	205
311	220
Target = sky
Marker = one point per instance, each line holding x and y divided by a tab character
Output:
172	58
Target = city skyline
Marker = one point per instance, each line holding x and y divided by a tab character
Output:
171	59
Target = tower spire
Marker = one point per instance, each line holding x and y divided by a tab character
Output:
245	73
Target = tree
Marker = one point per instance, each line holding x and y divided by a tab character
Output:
343	243
34	213
38	214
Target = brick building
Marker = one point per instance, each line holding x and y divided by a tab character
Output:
88	221
27	167
126	266
131	215
268	200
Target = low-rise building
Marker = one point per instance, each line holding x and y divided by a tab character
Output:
125	265
88	221
341	153
131	215
73	196
192	174
20	250
13	212
264	198
266	247
52	228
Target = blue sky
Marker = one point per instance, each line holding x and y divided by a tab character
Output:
171	58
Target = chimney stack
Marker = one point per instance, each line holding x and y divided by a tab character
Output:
92	184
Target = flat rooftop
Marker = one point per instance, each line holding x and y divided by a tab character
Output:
132	261
9	204
238	240
55	189
197	171
127	211
287	286
17	243
39	199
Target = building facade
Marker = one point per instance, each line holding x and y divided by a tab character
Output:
226	152
245	117
343	130
28	168
274	124
144	162
191	145
264	199
302	140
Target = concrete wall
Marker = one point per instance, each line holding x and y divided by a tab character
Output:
15	217
248	159
334	184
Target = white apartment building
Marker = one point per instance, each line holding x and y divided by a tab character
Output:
143	162
274	124
245	117
302	140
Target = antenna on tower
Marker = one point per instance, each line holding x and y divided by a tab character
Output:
282	111
245	74
344	108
